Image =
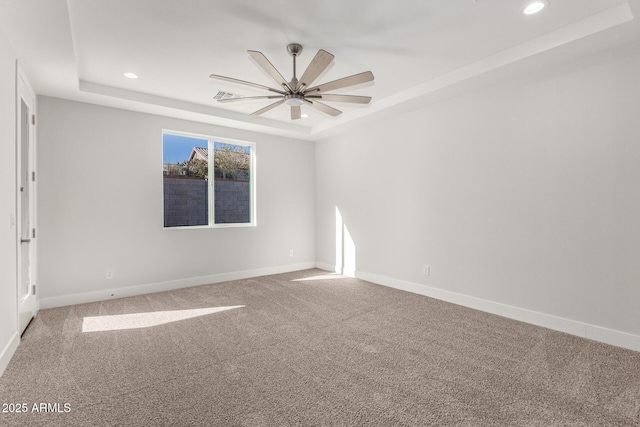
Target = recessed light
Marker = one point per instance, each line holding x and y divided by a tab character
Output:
131	75
304	116
535	7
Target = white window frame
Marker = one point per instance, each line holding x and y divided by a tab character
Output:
211	140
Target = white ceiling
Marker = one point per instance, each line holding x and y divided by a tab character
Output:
79	49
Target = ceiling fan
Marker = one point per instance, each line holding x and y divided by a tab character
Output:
300	92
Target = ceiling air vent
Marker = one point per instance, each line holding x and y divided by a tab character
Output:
225	95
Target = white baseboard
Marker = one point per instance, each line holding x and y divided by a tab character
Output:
573	327
326	267
107	294
8	351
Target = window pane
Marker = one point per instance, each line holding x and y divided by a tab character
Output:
232	195
185	178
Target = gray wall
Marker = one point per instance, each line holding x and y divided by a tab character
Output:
93	219
524	193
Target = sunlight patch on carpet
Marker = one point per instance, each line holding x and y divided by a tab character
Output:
145	320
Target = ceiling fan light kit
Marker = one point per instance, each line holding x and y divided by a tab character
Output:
294	100
297	92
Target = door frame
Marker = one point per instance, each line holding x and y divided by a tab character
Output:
30	304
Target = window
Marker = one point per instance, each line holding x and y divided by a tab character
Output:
207	181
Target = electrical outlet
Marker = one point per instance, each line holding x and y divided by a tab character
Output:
426	270
291	253
109	273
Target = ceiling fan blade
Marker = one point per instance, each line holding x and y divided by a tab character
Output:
267	108
341	98
367	76
296	113
249	98
318	64
242	82
324	108
269	68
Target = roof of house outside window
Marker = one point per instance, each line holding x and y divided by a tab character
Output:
199	153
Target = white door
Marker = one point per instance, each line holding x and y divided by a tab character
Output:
26	201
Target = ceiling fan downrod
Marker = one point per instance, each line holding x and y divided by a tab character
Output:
294	49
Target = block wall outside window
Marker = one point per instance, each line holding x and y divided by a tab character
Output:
186	201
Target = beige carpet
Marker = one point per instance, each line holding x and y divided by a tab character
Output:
309	348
